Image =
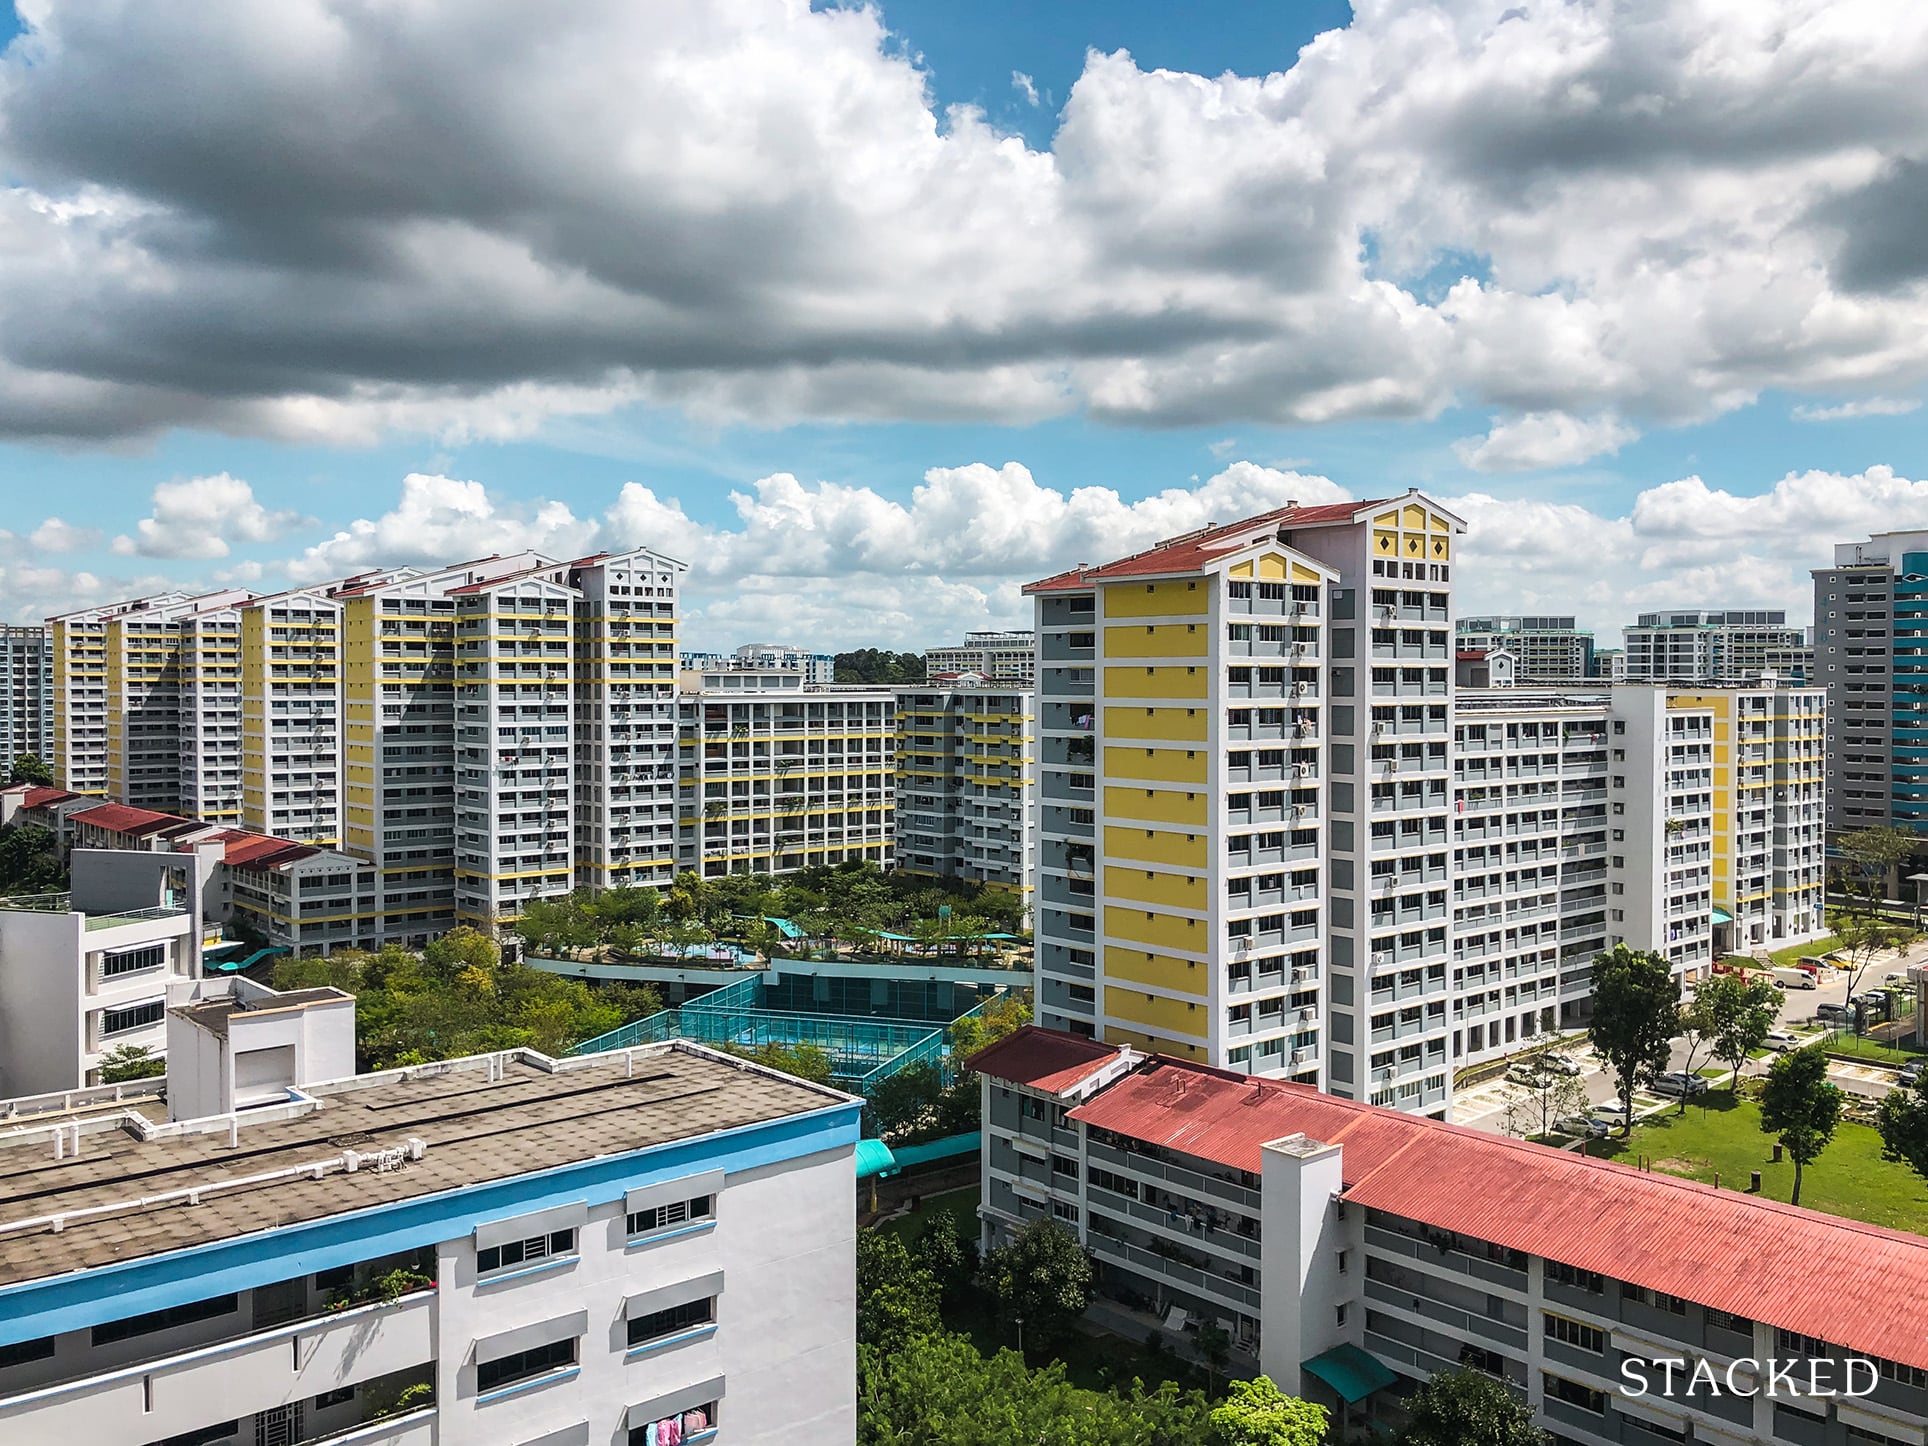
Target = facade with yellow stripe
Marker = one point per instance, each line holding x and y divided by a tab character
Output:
966	781
1769	811
291	716
1181	880
775	775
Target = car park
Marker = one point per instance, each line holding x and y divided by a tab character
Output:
1780	1039
1679	1082
1525	1074
1557	1064
1590	1126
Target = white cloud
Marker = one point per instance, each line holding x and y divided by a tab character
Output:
1867	407
1025	86
201	516
54	535
442	520
1542	439
29	594
751	209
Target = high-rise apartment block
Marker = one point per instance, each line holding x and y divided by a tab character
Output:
26	693
1728	646
999	655
1182	700
775	776
1545	649
818	669
484	734
966	781
1871	654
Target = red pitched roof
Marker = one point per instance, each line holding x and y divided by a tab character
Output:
41	794
125	818
1192	550
1834	1279
1043	1059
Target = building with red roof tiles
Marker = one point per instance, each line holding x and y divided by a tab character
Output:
1348	1249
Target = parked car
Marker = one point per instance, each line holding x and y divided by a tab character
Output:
1900	981
1557	1064
1525	1074
1780	1039
1679	1082
1589	1126
1833	1012
1794	979
1612	1114
1910	1072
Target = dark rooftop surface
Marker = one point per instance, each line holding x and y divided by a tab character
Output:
477	1130
213	1014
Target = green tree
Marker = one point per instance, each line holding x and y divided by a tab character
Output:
1043	1277
1740	1012
902	1104
1903	1121
1865	936
1870	856
1536	1109
1698	1028
805	1061
30	860
28	768
1258	1413
951	1258
1636	1013
897	1298
126	1062
1801	1107
1467	1408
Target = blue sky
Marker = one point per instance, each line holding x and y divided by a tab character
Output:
103	476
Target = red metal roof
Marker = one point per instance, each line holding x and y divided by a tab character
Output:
125	818
41	794
1837	1280
1194	549
1043	1059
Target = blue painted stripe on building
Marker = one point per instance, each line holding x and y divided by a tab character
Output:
76	1301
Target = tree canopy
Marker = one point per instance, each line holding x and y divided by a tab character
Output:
1903	1121
29	768
1801	1107
1636	1013
1258	1413
1042	1276
1467	1408
30	860
457	997
1739	1011
878	665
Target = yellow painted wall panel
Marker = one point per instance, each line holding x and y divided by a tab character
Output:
1158	931
1157	765
1156	805
1153	1011
1179	725
1156	971
1173	680
1158	846
1180	597
1151	1044
1157	640
1148	886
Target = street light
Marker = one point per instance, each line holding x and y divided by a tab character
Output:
1020	1325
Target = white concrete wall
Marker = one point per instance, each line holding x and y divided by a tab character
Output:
40	1002
1301	1238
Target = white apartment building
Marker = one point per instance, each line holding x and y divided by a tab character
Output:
1004	656
84	972
966	782
1352	1252
26	693
501	1249
1182	702
1700	645
291	716
1661	809
775	776
1546	649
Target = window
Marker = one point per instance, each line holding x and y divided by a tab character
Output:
1588	1280
521	1252
334	1398
134	1016
20	1352
676	1212
159	1320
696	1421
659	1324
131	961
506	1370
1575	1394
1658	1299
1339	1316
1575	1333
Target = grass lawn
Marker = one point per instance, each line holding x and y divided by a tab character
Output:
1790	956
1868	1049
1720	1134
961	1205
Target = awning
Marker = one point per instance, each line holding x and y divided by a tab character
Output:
1721	916
874	1158
1351	1372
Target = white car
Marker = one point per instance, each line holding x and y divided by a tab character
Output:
1780	1040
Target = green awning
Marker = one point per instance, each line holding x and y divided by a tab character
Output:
1721	916
874	1158
1351	1372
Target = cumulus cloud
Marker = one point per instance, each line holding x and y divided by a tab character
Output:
442	520
1025	86
200	517
1867	407
324	221
55	535
1542	439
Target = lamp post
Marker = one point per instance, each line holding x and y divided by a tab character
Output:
1020	1326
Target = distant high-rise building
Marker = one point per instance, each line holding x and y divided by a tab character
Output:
966	781
999	655
1730	646
1871	654
1545	649
26	693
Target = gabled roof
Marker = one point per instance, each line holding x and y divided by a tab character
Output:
1193	550
1043	1059
39	794
1799	1270
125	818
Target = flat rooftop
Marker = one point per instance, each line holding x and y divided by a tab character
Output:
477	1129
213	1014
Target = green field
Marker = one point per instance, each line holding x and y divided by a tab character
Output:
961	1205
1868	1049
1720	1135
